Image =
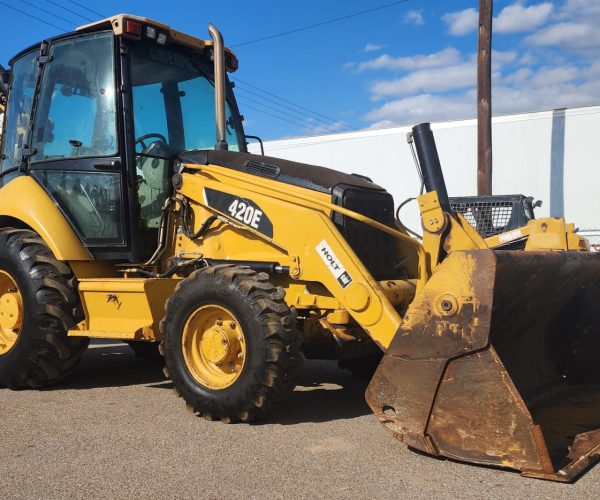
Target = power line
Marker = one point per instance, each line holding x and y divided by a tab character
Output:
246	98
48	12
305	111
69	10
303	125
308	112
322	23
300	113
88	9
290	102
33	17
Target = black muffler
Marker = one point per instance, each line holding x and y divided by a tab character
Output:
429	161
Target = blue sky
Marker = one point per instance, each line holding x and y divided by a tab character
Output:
395	66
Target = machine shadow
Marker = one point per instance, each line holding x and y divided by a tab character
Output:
112	364
324	391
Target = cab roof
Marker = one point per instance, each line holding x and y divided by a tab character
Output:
119	25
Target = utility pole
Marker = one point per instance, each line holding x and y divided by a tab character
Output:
484	99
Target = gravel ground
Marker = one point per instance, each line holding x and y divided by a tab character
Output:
116	430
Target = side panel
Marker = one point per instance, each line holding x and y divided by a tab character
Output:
303	238
23	199
123	308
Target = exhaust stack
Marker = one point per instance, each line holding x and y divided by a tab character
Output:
219	62
433	178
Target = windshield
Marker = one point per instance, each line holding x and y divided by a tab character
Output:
174	100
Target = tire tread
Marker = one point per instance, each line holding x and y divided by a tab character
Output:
52	354
283	341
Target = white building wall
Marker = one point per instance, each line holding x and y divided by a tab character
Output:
553	156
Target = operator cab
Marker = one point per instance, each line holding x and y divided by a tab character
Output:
98	117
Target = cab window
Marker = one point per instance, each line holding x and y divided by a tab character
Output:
173	110
76	113
22	87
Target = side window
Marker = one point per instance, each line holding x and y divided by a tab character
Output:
18	109
91	200
76	113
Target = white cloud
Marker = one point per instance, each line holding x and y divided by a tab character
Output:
501	57
557	67
592	72
519	76
570	35
580	8
548	76
532	98
437	72
575	28
422	107
514	18
461	22
517	18
373	47
527	59
427	80
442	58
414	17
520	91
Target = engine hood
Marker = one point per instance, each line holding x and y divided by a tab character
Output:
303	175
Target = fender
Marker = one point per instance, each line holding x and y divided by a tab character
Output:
24	199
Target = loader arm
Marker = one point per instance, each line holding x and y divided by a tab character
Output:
311	247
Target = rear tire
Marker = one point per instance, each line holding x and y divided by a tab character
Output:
245	313
43	354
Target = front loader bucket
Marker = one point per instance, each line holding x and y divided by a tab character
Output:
497	362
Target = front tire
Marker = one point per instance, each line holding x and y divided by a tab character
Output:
38	305
230	343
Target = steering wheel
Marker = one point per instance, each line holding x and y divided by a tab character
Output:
142	138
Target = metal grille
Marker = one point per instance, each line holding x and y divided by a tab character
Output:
487	218
492	215
376	249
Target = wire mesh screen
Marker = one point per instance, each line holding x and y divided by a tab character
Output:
488	218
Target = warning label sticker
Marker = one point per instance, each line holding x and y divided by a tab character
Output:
513	235
334	265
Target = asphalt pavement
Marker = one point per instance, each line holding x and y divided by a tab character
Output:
115	429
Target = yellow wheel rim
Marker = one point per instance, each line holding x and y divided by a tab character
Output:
214	346
11	312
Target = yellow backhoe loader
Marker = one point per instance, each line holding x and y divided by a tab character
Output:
122	218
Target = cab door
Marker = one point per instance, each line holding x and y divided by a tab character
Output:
74	144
